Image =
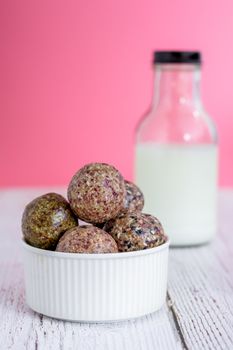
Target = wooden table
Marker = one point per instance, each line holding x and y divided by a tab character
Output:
198	313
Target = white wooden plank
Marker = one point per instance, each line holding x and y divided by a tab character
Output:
201	290
21	328
200	296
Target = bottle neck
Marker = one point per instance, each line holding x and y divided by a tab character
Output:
176	85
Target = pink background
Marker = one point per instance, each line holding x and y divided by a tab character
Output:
76	76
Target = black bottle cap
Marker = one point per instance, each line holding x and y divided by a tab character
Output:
193	57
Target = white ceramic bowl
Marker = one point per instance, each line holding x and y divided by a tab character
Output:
95	287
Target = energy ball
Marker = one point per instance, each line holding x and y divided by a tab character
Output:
45	219
136	231
96	193
134	199
86	239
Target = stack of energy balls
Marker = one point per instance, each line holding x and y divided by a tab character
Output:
98	195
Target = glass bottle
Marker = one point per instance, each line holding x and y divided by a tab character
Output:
177	153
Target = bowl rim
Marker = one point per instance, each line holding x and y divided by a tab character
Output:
119	255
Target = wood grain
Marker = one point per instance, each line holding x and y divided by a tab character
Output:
198	314
201	287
